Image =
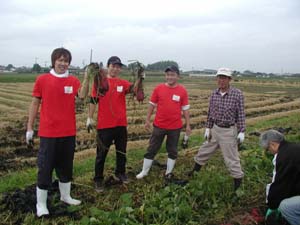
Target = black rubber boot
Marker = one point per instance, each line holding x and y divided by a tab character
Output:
196	168
237	183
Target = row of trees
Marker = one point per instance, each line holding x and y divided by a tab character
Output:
157	66
35	68
161	65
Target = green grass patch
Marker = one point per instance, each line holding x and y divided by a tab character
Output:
208	198
17	77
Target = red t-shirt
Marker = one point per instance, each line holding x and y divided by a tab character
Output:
112	106
170	101
57	115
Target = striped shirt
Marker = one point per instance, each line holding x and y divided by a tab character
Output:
227	110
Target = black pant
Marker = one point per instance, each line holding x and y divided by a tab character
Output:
157	138
105	138
58	154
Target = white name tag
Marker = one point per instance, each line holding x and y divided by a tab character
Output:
68	89
119	88
176	98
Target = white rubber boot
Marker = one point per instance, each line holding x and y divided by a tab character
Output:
41	202
65	189
146	167
170	165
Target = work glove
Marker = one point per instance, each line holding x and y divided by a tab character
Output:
185	141
272	215
207	135
89	124
29	138
241	137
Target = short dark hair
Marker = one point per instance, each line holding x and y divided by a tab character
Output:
58	52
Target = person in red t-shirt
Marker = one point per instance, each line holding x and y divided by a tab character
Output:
55	93
111	122
171	101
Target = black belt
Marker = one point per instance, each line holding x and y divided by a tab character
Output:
224	125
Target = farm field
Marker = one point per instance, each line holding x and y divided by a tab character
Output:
207	198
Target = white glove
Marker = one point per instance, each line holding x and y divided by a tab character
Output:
89	124
29	137
241	137
207	135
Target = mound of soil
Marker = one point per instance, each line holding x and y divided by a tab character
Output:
22	201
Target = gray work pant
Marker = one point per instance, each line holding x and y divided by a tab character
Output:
226	140
157	138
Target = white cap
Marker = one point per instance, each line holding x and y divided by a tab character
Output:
224	71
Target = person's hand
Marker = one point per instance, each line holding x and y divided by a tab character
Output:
89	124
148	125
241	137
188	130
207	135
29	138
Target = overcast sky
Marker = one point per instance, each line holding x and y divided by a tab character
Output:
258	35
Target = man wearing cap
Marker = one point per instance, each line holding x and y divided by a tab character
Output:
111	122
171	101
225	127
283	194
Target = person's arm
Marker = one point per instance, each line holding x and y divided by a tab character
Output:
185	111
279	188
33	111
209	123
151	108
92	109
84	88
241	124
186	115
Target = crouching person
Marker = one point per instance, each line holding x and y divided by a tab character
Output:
55	93
170	100
283	194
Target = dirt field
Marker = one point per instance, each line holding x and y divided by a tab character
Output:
262	98
207	198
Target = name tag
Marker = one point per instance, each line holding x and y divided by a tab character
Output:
68	89
176	98
119	88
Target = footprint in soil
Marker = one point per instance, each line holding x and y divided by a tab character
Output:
24	201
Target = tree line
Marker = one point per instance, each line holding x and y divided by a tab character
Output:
157	66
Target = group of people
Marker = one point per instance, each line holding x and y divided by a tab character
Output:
55	94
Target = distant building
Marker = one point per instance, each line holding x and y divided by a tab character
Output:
201	75
2	68
209	71
75	70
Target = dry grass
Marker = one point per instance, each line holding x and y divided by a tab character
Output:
16	97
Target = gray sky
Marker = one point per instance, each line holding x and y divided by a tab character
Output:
259	35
